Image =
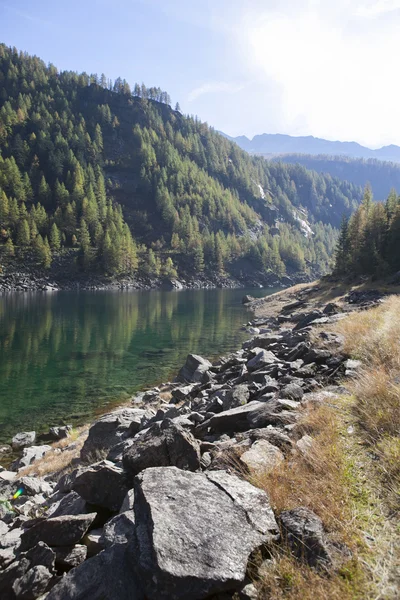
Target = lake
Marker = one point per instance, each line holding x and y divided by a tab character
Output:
67	356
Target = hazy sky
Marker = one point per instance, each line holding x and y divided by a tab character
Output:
303	67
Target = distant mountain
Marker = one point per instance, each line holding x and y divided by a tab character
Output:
268	144
383	176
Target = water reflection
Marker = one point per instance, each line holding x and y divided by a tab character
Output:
65	355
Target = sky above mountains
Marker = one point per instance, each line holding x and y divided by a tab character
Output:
301	67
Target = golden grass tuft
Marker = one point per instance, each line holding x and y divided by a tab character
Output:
316	479
373	336
54	461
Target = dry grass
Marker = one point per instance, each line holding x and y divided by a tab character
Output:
320	481
287	579
58	459
317	479
373	336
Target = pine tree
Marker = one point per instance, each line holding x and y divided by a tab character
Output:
23	233
343	248
55	238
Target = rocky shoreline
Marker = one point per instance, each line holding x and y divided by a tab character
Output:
15	278
157	501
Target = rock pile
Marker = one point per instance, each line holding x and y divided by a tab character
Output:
158	507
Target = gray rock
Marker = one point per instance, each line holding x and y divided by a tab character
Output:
11	539
70	504
194	369
182	393
41	554
292	391
195	532
304	532
128	501
7	577
247	299
93	542
7	556
165	444
35	485
238	396
29	455
57	531
5	449
102	484
248	592
70	556
261	359
253	415
59	433
33	584
304	444
109	429
107	576
262	457
119	530
23	439
307	318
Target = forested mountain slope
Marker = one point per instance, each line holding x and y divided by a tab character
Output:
117	180
383	176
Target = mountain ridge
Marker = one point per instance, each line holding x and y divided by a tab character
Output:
277	143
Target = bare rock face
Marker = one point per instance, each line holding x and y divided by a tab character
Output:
194	369
102	484
164	444
194	532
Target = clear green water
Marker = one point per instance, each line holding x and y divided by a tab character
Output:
66	356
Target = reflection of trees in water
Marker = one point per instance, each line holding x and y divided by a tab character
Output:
73	351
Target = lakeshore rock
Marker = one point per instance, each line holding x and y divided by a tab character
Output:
57	531
29	455
109	429
102	484
195	532
23	439
194	369
164	444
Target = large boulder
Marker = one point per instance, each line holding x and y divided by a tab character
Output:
195	531
107	576
253	415
102	484
194	369
23	439
109	429
164	444
57	531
